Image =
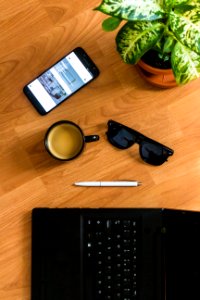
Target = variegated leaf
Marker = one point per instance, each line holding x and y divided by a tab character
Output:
173	3
133	10
194	16
185	64
185	31
180	3
193	2
136	38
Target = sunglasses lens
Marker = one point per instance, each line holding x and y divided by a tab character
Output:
120	137
153	154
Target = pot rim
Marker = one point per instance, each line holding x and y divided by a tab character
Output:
153	70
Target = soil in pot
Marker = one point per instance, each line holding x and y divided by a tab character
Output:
156	71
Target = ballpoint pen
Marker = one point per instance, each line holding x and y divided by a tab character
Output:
108	183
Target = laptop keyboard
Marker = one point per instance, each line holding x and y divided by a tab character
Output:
110	256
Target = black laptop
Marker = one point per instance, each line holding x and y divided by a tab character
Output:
115	254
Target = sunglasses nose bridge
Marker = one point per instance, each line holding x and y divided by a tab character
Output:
138	139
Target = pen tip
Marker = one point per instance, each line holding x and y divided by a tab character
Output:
139	183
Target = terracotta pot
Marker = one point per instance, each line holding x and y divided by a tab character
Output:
163	78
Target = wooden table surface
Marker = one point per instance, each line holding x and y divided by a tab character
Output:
34	34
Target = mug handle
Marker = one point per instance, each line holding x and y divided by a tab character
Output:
91	138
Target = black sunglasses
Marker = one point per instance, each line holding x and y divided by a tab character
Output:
124	137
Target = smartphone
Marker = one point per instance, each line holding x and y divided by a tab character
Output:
61	80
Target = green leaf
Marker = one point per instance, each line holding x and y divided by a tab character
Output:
177	2
187	32
168	5
182	9
136	38
169	44
110	24
185	64
132	10
159	46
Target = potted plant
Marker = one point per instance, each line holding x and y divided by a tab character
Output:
162	33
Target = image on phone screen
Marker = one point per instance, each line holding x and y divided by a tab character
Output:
61	80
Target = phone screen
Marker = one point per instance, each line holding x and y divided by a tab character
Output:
60	81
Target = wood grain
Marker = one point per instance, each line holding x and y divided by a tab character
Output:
34	34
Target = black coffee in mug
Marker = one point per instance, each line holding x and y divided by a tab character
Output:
65	140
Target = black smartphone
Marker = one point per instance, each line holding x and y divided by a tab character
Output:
61	80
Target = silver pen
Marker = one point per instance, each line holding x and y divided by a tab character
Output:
108	183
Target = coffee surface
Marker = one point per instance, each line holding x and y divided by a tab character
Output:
65	141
